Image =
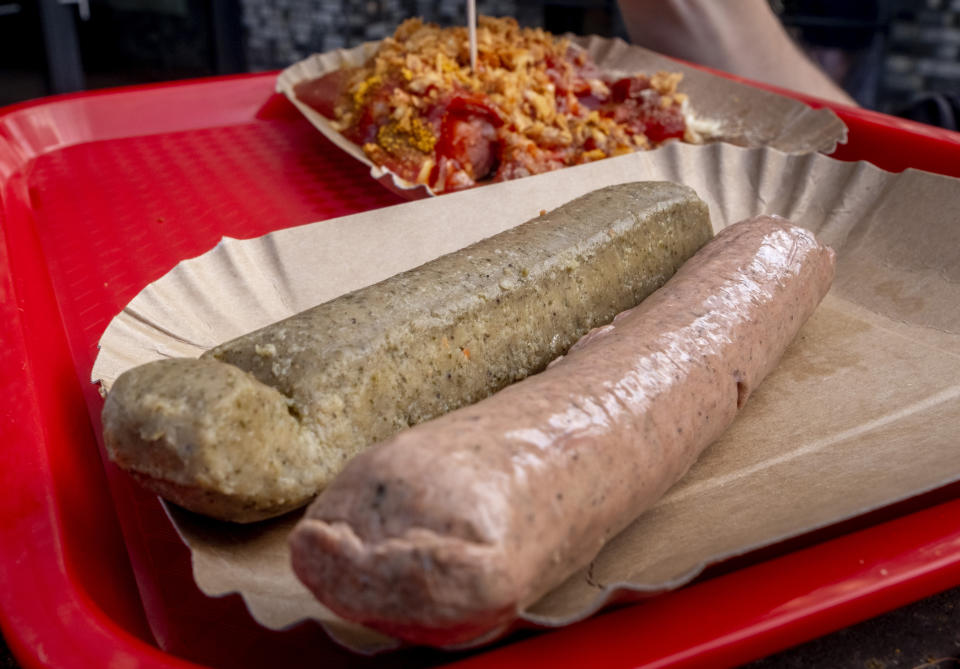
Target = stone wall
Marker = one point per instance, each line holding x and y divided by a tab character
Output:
914	50
923	53
280	32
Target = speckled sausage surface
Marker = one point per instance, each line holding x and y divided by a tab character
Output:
262	423
447	530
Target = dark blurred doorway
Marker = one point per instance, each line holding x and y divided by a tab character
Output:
58	46
23	68
139	41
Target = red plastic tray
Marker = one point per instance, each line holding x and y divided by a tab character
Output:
101	193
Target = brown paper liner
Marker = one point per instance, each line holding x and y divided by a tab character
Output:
861	412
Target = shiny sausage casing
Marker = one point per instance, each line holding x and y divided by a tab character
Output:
443	533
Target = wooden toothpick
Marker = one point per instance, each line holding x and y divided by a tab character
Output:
472	30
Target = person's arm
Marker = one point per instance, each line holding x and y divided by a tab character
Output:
743	37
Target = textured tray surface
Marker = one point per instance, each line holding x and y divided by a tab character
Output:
128	184
114	215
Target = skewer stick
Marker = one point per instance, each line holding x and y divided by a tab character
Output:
472	30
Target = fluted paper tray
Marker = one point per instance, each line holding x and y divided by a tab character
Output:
733	112
863	410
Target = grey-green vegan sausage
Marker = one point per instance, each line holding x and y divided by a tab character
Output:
260	424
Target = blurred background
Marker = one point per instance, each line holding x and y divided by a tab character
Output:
896	56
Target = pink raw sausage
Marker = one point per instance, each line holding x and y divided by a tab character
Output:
445	532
